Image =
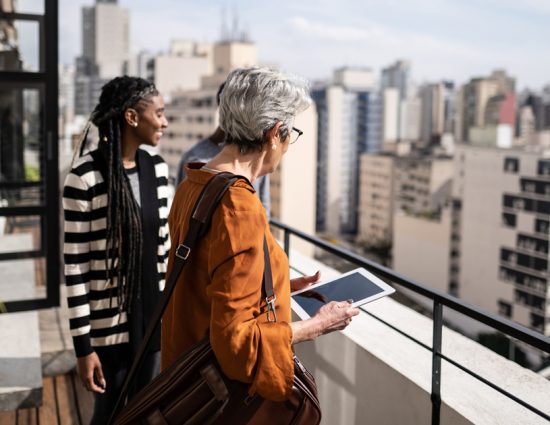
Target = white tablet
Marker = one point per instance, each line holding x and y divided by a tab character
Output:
358	285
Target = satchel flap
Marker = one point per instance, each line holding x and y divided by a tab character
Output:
215	382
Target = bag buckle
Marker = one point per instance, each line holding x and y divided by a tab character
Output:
271	307
183	252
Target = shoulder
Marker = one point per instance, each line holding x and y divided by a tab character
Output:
161	167
241	198
84	165
84	173
156	158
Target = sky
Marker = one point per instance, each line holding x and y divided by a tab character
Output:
443	39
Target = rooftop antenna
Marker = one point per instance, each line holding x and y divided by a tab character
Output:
224	32
235	29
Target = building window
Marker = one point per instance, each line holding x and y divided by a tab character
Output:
504	309
535	186
511	165
509	220
542	226
537	322
453	288
543	168
530	300
532	244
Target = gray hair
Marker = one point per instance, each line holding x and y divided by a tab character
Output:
256	99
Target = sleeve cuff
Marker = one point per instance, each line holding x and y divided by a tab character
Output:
82	345
275	369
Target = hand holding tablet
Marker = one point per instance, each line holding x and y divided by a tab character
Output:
358	285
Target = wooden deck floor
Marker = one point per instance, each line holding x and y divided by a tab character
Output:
64	402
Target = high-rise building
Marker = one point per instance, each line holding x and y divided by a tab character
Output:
349	123
410	113
526	125
540	104
473	99
418	184
106	37
390	117
105	51
398	96
291	203
193	114
397	76
228	55
182	68
377	188
495	237
504	198
141	65
437	111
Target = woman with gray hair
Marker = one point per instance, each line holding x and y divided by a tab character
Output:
219	293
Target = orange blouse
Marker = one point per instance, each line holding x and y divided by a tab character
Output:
220	290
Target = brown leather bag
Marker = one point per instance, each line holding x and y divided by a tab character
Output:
194	390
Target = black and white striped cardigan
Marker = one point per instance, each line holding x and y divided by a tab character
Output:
95	319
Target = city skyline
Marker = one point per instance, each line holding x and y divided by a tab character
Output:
444	39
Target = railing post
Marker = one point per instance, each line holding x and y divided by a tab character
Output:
287	242
436	361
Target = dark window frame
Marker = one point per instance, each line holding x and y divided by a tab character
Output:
47	77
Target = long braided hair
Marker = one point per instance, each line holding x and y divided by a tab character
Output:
124	229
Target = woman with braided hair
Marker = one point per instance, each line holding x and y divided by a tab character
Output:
116	239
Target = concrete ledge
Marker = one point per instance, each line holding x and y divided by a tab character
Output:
20	365
372	374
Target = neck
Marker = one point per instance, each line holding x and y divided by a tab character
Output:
230	159
129	148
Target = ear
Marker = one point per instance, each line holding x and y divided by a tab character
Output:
273	133
131	116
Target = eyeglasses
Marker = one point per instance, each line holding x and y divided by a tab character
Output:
296	135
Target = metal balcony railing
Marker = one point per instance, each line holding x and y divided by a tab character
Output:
440	300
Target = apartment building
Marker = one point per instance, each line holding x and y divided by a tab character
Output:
292	185
473	99
349	124
193	114
495	236
418	184
504	201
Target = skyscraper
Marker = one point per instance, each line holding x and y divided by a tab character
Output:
473	99
397	100
349	123
105	51
106	37
437	109
397	76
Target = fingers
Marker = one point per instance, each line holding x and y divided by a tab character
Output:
304	281
100	377
88	367
90	385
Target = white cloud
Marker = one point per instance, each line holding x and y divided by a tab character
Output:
323	31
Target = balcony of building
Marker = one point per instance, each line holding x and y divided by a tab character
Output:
391	365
